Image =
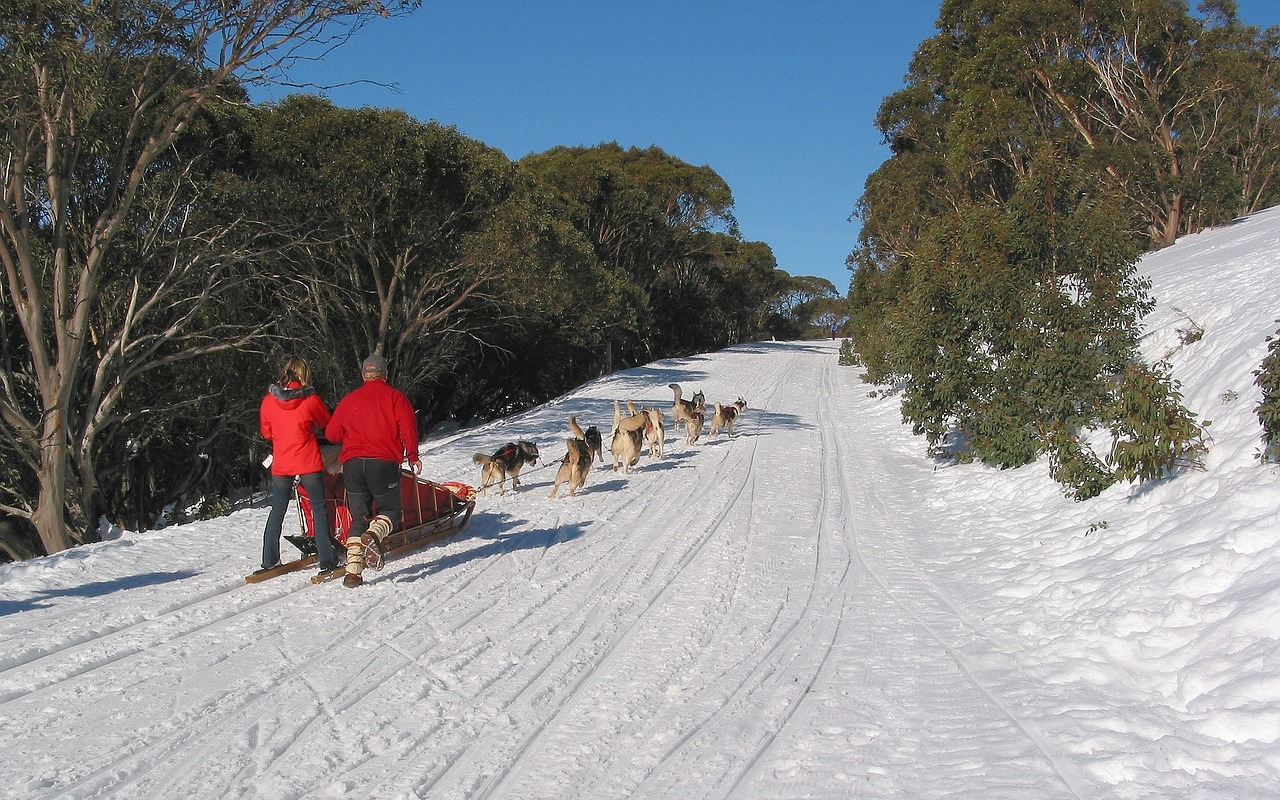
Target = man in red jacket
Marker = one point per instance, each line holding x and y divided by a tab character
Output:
378	432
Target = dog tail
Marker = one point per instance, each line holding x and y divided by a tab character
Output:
575	428
675	387
481	458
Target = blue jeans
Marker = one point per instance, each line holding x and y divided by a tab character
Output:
281	492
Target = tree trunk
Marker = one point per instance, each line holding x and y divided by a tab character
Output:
1168	234
49	516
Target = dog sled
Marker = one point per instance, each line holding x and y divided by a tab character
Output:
430	511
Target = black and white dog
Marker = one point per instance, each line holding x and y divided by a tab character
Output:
507	461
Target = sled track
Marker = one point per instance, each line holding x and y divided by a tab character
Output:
622	589
148	765
787	668
33	672
611	587
912	590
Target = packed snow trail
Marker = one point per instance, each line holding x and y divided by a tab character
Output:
729	621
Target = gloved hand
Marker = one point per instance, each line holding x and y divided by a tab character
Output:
417	466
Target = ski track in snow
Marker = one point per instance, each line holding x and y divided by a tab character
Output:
562	648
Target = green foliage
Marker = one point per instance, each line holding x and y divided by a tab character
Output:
663	231
1012	321
107	108
214	507
1267	377
1153	435
848	354
1036	150
1074	465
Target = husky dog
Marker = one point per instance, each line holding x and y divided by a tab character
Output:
693	427
628	439
682	410
591	436
655	433
507	461
726	415
574	467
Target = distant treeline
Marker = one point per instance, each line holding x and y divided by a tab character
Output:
1038	149
166	244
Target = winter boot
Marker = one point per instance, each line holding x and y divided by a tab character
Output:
355	562
379	529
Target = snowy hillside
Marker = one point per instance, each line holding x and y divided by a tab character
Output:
812	609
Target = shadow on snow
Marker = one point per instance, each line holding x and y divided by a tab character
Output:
96	589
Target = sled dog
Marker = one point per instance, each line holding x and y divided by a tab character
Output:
725	416
574	467
591	436
655	432
507	461
693	427
628	439
682	410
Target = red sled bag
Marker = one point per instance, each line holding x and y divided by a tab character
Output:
422	501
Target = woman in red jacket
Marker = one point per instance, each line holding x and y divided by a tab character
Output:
290	417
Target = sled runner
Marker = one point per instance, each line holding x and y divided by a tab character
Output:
430	511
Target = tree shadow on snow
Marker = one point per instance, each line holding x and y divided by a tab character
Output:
96	589
496	543
753	422
808	345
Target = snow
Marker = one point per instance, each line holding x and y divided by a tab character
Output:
811	609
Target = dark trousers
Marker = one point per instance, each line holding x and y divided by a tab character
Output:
281	492
373	486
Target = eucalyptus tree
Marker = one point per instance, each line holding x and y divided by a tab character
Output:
1165	103
94	96
650	218
400	243
1037	148
545	324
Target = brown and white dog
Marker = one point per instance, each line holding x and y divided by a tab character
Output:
655	429
683	410
574	467
628	438
725	416
693	427
655	433
509	459
591	436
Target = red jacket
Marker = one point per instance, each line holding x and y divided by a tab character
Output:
290	418
375	421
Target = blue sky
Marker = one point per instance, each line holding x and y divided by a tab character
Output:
778	98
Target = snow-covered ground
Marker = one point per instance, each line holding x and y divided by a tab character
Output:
812	609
